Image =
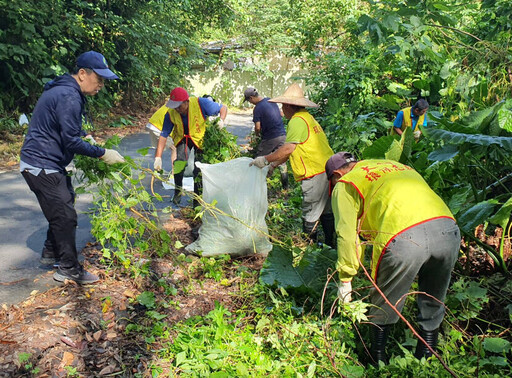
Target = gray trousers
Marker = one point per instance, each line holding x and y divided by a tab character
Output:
315	197
267	146
429	251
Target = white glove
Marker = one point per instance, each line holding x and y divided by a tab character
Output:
416	134
90	139
221	123
112	157
344	291
259	162
157	165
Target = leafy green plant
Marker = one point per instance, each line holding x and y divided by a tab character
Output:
308	276
71	371
219	144
213	267
24	359
147	299
467	299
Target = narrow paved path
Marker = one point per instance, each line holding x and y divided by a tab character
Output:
23	226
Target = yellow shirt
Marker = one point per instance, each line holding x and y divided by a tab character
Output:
378	199
312	150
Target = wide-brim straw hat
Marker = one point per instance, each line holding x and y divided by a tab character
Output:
294	96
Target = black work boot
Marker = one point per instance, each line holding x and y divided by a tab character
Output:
283	171
378	339
311	230
431	338
327	221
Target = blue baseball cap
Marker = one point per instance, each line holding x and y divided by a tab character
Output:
96	62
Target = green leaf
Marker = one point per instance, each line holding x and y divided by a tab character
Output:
445	153
505	119
308	277
447	69
496	345
476	215
502	217
460	138
416	21
394	152
179	166
480	119
155	315
147	298
180	358
143	151
379	147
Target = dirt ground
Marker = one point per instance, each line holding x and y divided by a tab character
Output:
82	328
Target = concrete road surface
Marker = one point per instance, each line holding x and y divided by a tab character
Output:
23	226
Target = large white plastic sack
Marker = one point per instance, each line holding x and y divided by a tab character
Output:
240	192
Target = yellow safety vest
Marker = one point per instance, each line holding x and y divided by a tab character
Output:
407	121
196	124
394	197
157	119
309	157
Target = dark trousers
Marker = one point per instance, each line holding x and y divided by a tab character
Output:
183	150
56	197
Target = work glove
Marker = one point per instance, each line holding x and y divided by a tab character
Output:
259	162
112	157
416	134
344	291
90	139
157	165
221	123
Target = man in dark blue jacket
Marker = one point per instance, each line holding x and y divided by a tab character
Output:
53	138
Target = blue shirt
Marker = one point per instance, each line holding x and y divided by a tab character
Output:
414	118
269	116
208	108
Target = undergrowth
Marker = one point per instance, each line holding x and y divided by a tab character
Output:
269	330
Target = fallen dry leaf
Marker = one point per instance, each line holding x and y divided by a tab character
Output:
66	340
128	293
111	335
107	370
97	335
67	359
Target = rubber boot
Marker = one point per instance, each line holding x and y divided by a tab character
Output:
178	183
311	230
198	189
327	221
431	338
378	339
283	170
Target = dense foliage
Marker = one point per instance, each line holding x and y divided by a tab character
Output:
149	43
366	60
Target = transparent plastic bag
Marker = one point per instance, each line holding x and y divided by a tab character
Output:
240	191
